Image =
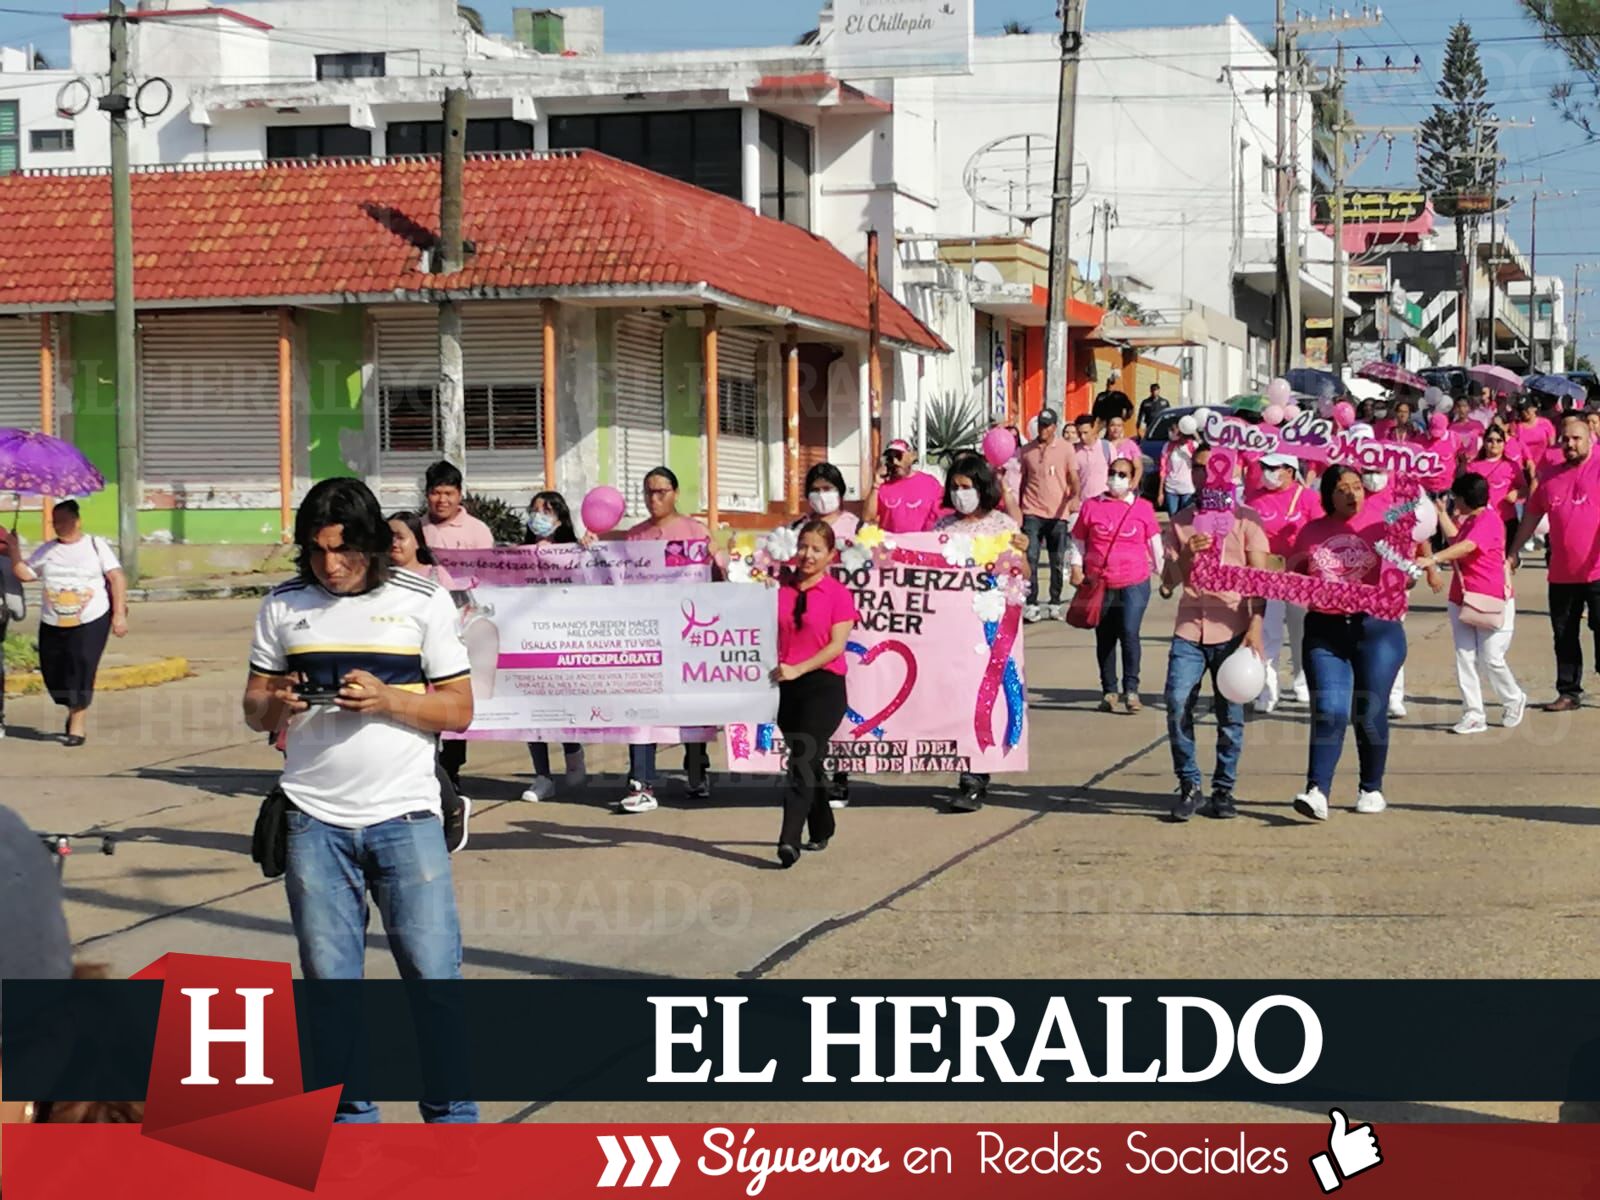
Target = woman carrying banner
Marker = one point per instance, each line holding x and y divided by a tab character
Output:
825	490
815	616
1117	544
1351	659
1482	608
549	523
664	524
1285	506
973	493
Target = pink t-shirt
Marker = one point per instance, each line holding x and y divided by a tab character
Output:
844	525
1469	440
1570	496
909	505
1125	560
1094	468
1533	439
1484	570
1446	448
676	528
461	532
1504	477
1388	430
1335	549
828	603
1284	513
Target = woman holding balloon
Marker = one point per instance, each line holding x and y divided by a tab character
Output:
1177	489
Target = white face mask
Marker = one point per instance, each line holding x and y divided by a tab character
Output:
1119	485
965	500
542	524
1374	481
1272	481
824	503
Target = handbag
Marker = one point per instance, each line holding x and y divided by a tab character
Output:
1089	601
269	845
1479	610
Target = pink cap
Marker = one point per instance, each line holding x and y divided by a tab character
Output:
899	444
1438	424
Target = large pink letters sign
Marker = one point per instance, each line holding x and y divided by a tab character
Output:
935	680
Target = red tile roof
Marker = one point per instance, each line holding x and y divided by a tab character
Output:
356	230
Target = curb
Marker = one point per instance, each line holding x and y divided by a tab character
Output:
221	591
109	679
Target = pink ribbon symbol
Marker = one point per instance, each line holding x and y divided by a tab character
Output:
692	619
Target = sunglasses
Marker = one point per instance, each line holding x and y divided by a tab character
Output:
1120	475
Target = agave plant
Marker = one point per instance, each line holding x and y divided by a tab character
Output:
504	521
955	425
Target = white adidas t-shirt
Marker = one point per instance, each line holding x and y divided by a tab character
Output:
344	768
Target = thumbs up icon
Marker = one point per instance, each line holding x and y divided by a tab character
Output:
1352	1151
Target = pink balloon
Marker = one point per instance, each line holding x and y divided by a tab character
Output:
1279	391
1438	424
602	509
1274	414
999	446
1291	411
1344	414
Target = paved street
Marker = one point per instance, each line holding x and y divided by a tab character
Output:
1482	867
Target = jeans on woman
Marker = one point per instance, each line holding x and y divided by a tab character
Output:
1351	664
642	763
1120	620
1178	501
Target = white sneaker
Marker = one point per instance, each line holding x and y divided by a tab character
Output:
1312	803
1302	693
1515	710
1397	709
1470	724
639	799
542	788
1030	614
1371	802
1268	700
1056	612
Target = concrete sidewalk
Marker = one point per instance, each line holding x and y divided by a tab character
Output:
1483	866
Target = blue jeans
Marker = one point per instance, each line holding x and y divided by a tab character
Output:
404	864
1120	619
1187	667
642	763
1176	503
1351	665
1048	534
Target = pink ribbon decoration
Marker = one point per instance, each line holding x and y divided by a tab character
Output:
994	674
900	697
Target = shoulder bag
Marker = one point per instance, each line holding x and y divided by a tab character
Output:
269	845
1088	602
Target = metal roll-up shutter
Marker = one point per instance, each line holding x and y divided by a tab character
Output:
208	384
739	422
503	369
19	373
641	408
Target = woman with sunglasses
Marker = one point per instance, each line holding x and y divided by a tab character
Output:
1504	476
664	524
1117	541
977	502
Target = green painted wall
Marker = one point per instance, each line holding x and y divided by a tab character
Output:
685	409
606	415
199	526
335	349
94	410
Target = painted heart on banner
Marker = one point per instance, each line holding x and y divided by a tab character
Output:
870	656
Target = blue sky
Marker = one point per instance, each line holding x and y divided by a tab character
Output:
1520	69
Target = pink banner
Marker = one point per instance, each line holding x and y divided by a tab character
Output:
935	679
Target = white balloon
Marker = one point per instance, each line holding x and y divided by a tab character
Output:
1188	426
1242	676
1202	415
1432	396
1427	521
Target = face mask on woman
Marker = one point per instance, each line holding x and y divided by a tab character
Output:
965	500
1374	481
824	504
1273	481
1119	485
542	524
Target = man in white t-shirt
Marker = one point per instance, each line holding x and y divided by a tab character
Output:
366	667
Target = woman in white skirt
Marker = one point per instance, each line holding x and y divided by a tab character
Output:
1482	608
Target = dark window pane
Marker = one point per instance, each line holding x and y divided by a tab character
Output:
512	135
342	141
47	140
350	66
480	137
621	136
771	166
573	133
406	137
477	406
408	419
716	163
316	141
518	416
737	413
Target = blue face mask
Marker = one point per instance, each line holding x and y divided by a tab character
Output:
542	524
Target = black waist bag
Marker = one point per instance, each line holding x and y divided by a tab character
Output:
269	845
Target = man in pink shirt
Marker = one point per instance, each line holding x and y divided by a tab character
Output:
1094	459
905	500
451	527
1049	483
1211	626
1570	496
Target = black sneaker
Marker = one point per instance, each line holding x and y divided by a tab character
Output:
969	799
815	847
457	812
787	855
1188	803
1222	807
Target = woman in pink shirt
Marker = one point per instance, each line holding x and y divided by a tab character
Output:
1478	548
1118	540
664	524
1503	475
1532	433
1397	426
815	616
1285	506
1123	446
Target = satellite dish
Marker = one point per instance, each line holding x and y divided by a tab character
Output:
987	272
1014	176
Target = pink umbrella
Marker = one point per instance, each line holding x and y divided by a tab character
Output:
1392	375
1497	379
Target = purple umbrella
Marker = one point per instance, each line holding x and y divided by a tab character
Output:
37	464
1497	379
1392	375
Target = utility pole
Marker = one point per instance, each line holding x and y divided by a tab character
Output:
1535	363
1286	306
1336	343
130	486
1056	359
449	259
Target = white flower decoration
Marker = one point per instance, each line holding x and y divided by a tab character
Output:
990	606
958	550
782	544
855	557
738	571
